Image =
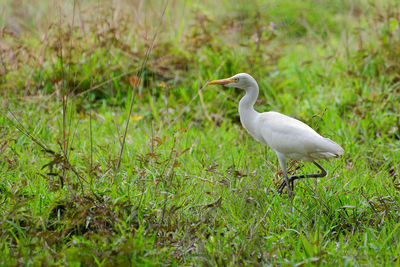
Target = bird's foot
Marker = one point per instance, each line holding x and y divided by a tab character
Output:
284	184
281	187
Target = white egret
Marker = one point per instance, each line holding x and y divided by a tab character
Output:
288	137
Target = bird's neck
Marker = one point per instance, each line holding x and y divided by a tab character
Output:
246	104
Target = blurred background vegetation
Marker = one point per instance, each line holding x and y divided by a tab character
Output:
95	46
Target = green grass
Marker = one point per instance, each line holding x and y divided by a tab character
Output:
193	187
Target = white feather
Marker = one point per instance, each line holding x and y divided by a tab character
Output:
288	137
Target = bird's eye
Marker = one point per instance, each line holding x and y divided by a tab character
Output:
236	80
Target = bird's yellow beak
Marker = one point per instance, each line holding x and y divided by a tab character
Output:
222	82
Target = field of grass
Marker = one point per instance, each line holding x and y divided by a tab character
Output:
191	187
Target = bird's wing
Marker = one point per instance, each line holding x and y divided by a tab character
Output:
293	137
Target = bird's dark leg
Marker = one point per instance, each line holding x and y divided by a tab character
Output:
295	177
282	162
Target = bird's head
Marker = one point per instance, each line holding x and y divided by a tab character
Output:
241	80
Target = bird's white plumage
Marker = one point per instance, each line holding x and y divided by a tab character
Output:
288	137
294	138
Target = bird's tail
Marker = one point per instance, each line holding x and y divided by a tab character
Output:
332	147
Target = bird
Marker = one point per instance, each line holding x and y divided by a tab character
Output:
288	137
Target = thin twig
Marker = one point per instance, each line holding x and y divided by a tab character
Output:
170	175
203	105
69	143
91	140
139	74
23	130
103	83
